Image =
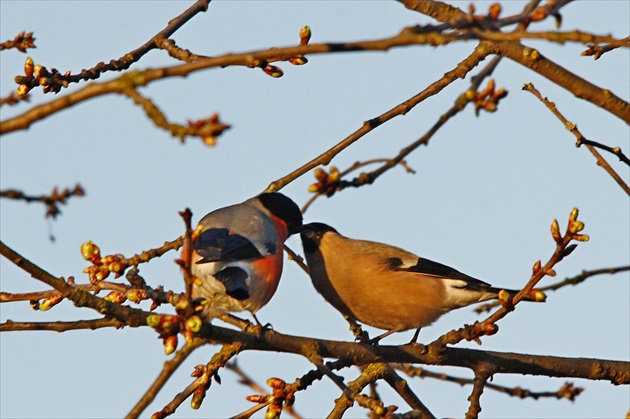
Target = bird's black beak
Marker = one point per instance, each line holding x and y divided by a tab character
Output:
296	229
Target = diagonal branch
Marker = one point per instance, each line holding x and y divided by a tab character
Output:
583	89
482	374
580	138
168	369
460	71
125	314
574	280
53	80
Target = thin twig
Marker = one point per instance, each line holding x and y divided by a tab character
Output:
21	42
204	376
459	71
370	374
53	80
170	366
460	104
482	374
11	326
248	381
571	127
129	316
487	326
52	201
574	280
402	388
567	391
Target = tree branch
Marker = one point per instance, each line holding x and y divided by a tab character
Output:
170	366
579	87
580	138
459	71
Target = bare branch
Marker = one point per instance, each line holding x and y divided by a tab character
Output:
581	139
567	391
458	72
21	42
204	374
129	316
11	326
53	81
170	366
488	326
579	87
207	129
51	201
568	281
482	374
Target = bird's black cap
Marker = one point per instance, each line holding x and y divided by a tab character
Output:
284	208
312	233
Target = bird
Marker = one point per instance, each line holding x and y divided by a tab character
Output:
385	286
237	253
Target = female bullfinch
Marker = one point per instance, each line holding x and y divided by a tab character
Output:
385	286
237	252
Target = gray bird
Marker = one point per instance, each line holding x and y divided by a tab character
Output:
238	253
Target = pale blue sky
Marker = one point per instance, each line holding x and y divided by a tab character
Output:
484	195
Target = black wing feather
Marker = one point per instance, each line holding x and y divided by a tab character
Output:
429	267
217	244
234	279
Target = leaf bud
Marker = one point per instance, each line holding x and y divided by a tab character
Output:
90	251
305	35
28	67
555	231
194	324
537	295
536	267
170	344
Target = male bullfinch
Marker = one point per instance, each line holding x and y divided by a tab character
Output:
385	286
237	252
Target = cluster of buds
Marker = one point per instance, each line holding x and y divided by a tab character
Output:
487	99
188	321
102	266
21	42
493	14
167	326
505	299
573	229
207	129
542	12
57	197
37	75
305	36
275	400
191	311
48	303
327	183
200	392
596	51
136	293
569	391
275	71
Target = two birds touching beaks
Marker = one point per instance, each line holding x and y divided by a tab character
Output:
238	257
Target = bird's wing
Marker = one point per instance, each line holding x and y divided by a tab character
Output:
234	279
218	244
431	268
